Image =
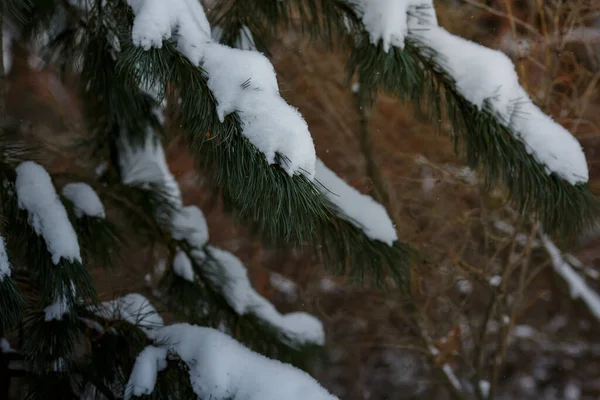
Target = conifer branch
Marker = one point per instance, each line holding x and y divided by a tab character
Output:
416	74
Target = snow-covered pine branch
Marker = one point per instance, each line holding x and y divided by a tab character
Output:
229	277
47	215
220	368
48	218
241	81
485	77
360	210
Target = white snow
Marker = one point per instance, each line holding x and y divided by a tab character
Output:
5	346
387	20
235	286
47	215
495	280
220	368
241	81
484	388
5	267
147	164
483	76
133	308
472	66
577	284
7	40
143	376
188	223
464	286
85	200
359	209
56	310
182	266
284	285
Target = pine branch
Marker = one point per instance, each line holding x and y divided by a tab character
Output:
416	74
287	211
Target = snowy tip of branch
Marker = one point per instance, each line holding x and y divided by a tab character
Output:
47	215
359	209
85	200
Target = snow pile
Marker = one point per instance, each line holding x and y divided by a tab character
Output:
56	310
485	77
147	365
182	266
241	81
189	224
220	368
147	165
359	209
235	286
133	308
47	215
5	267
85	200
386	20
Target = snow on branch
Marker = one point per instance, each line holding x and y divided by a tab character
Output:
133	308
359	209
145	370
189	225
241	81
235	286
47	215
5	266
85	200
577	284
220	368
485	77
386	20
147	165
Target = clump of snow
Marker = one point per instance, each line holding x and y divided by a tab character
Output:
133	308
188	223
359	209
284	285
495	280
464	286
5	267
147	165
235	286
241	81
182	266
85	200
56	310
387	20
220	368
143	376
484	388
5	346
47	215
